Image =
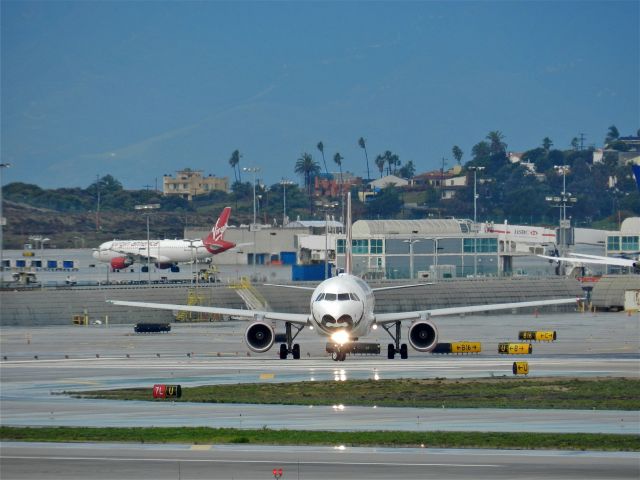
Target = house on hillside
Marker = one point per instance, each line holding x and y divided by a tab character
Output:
189	183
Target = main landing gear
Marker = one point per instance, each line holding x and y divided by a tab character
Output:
290	347
395	347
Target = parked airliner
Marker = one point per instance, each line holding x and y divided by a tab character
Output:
342	309
166	253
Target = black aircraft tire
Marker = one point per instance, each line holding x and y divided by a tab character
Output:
296	351
404	351
283	351
391	351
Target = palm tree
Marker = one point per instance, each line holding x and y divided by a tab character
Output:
380	161
497	145
480	150
234	161
363	145
612	135
547	144
321	148
308	168
337	158
457	153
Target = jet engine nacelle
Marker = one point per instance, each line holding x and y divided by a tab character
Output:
163	266
118	263
259	337
423	336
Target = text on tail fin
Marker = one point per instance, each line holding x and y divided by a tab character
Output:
217	232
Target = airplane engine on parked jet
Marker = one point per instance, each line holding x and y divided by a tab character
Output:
423	336
118	263
163	266
259	337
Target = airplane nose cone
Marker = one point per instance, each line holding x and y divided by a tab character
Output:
96	254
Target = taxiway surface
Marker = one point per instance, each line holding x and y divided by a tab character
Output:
36	461
99	357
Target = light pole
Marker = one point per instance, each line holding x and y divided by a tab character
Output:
147	211
475	194
561	203
2	222
284	182
253	170
475	220
411	241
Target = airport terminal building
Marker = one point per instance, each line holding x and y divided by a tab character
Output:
425	249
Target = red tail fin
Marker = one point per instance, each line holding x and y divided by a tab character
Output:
217	232
214	242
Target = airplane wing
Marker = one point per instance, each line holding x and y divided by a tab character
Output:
297	287
622	262
382	318
395	287
296	318
579	258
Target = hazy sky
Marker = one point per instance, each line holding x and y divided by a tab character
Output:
141	89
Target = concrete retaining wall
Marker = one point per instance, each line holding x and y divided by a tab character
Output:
57	307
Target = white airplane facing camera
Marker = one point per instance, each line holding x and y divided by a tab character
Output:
342	308
167	253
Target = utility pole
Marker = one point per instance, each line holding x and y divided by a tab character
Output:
253	227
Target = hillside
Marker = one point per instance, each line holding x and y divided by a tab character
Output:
78	229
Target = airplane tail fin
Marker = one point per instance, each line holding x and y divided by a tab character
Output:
216	235
348	261
636	173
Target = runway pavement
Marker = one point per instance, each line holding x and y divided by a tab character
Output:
39	362
35	461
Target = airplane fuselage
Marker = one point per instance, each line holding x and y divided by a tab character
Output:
344	303
166	251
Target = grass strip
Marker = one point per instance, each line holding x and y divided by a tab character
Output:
505	392
265	436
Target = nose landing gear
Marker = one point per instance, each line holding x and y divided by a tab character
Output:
339	356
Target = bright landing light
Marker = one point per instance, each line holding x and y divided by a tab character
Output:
340	337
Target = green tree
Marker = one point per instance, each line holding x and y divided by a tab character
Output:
380	162
105	184
612	135
308	168
386	204
363	145
457	153
408	170
321	148
480	151
496	142
547	144
337	159
234	161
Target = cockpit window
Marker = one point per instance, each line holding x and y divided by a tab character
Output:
320	297
354	297
330	296
343	296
